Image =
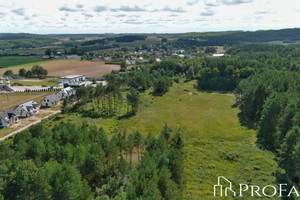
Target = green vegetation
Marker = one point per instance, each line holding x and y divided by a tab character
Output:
216	143
272	100
9	61
109	140
78	161
23	40
36	82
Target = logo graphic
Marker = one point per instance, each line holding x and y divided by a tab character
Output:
226	187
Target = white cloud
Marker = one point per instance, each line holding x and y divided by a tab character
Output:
99	16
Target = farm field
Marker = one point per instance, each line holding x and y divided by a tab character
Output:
9	61
217	144
57	68
10	100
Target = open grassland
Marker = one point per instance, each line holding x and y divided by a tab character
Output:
10	100
57	68
217	144
10	61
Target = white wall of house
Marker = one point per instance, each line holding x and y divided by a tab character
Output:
22	111
3	123
47	103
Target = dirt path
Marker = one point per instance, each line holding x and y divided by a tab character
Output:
27	126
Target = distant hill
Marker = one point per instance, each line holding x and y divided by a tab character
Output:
25	40
236	37
16	36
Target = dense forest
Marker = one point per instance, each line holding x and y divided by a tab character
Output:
271	99
78	161
237	37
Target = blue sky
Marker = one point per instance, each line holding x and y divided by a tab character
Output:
148	16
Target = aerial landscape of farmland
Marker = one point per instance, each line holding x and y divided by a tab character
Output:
162	100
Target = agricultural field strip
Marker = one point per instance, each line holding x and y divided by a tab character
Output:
3	109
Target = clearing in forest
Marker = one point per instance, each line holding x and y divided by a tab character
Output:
217	145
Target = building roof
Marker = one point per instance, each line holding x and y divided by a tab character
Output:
67	90
218	54
11	112
72	76
4	116
29	105
52	98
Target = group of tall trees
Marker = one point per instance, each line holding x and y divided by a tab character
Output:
105	99
80	161
36	71
271	99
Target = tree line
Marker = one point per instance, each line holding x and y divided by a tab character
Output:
271	99
36	71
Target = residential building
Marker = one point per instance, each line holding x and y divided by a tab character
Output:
27	109
72	81
50	100
65	93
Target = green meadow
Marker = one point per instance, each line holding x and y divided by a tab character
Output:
9	61
217	143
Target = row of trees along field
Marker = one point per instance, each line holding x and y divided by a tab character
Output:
36	71
78	161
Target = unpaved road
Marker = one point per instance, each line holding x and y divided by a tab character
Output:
29	122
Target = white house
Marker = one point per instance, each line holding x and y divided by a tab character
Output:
72	81
8	118
65	93
4	120
27	109
50	100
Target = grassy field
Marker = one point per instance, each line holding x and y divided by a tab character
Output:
217	144
36	82
10	100
57	68
9	61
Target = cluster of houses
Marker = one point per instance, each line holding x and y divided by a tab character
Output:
10	117
54	99
31	108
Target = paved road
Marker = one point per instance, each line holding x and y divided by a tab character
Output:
23	128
